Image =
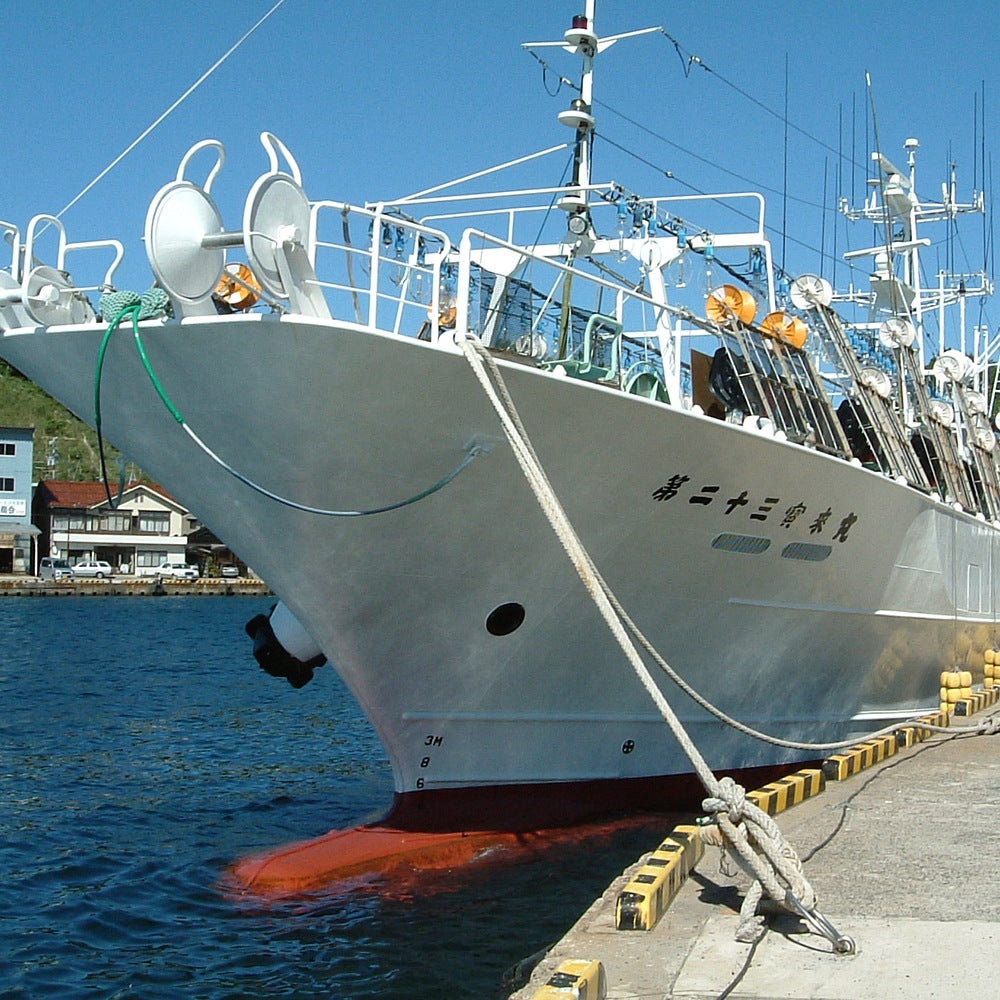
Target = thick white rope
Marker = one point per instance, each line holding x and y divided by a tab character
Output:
749	831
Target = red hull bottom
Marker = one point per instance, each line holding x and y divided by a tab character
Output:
443	829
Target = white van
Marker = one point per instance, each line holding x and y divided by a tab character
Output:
51	568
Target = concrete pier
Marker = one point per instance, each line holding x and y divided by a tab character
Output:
904	858
130	586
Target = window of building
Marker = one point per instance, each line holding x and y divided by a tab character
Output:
6	484
8	448
155	522
150	558
116	522
75	521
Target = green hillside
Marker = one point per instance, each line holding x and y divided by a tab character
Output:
65	447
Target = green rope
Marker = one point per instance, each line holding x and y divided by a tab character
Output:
118	305
115	306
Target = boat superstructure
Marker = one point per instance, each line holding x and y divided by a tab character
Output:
800	516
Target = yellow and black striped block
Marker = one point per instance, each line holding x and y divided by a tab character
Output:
579	979
977	701
855	759
788	791
906	736
652	888
935	719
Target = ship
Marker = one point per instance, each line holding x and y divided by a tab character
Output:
789	488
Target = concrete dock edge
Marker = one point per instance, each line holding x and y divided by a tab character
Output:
903	853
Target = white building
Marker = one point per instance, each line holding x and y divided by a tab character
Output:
146	528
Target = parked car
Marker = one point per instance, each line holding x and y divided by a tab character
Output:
51	568
94	567
177	571
229	570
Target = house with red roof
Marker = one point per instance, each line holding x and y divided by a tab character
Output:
142	528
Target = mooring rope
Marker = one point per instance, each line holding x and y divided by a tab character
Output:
149	305
750	834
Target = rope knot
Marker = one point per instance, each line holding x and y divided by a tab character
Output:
730	798
989	726
153	302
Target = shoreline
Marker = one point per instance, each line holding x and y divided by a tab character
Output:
13	586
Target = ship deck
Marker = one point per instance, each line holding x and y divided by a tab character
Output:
904	857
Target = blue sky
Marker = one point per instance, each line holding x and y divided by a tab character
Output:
380	99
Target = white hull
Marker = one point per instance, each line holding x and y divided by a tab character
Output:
334	416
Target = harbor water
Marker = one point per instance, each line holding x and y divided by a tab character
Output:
142	751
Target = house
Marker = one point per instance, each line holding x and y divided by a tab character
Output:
16	530
77	521
211	555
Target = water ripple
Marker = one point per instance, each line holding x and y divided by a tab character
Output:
141	752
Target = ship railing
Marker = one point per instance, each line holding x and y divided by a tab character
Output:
645	218
565	312
385	272
63	248
35	293
12	234
516	223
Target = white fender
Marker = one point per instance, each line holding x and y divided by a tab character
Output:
294	639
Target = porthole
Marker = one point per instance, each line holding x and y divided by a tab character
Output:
505	619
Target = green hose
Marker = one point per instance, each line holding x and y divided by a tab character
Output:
117	306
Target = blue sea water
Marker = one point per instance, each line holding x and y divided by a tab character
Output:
142	752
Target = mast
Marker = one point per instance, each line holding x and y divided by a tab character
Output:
900	207
583	41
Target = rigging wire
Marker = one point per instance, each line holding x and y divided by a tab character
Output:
705	160
683	149
839	184
694	60
822	229
180	100
786	196
784	181
688	63
670	175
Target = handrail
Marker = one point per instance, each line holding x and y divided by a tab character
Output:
465	249
15	244
375	259
722	196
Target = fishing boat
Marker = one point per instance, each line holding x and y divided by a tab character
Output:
793	497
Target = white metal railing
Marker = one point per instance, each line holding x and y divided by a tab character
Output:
393	276
509	296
